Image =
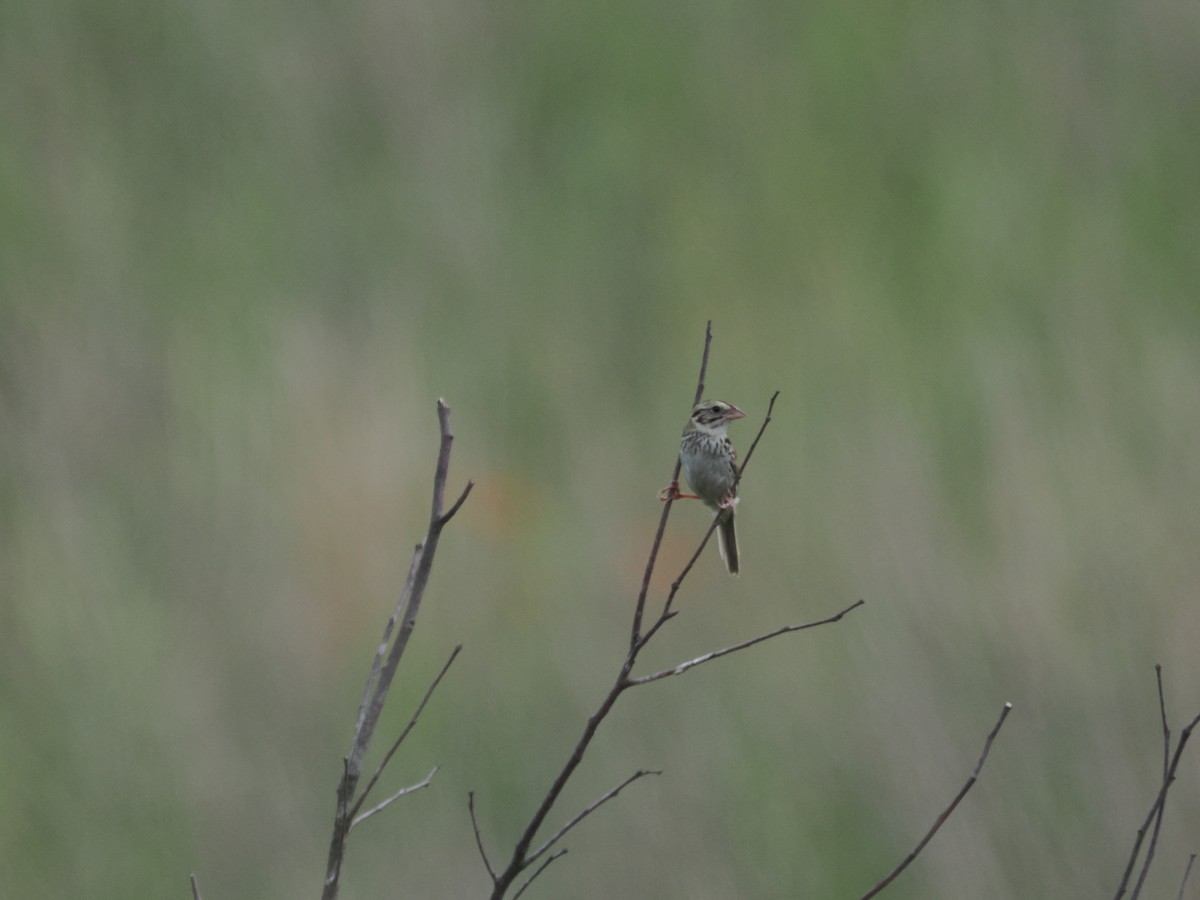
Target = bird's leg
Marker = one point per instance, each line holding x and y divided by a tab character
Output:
729	501
672	492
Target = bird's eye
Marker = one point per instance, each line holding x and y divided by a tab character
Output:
715	410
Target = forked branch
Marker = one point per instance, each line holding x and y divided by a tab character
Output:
383	670
522	856
399	740
717	654
380	807
1154	817
640	606
589	809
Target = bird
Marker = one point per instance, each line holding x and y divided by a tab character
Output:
710	465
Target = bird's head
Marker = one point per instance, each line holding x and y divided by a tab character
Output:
713	416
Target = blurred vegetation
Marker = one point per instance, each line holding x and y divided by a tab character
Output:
246	245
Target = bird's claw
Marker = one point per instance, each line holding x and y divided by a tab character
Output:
672	492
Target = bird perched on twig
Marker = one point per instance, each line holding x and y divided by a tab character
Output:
710	465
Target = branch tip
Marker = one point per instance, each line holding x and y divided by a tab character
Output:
1186	873
387	758
462	498
941	819
587	811
478	838
542	868
636	639
384	665
380	807
734	648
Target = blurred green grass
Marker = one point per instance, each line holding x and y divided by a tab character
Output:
246	246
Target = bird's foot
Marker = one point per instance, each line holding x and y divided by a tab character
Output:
672	492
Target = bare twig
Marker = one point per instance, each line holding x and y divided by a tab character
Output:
383	668
384	804
478	839
416	592
396	744
717	654
540	869
1162	714
589	809
987	746
519	859
758	437
1158	817
1186	873
667	613
639	608
462	498
196	887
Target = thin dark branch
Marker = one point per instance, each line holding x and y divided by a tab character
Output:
717	654
1186	873
1158	817
462	498
757	438
519	859
1137	847
1159	802
667	613
196	887
1162	712
379	680
384	804
540	869
1156	810
703	363
478	838
987	746
639	608
589	809
403	734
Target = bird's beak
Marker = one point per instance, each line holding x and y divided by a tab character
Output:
734	413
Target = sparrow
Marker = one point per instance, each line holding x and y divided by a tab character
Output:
710	466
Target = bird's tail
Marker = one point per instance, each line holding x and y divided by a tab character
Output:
727	540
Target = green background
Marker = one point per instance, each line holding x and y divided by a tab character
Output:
245	246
